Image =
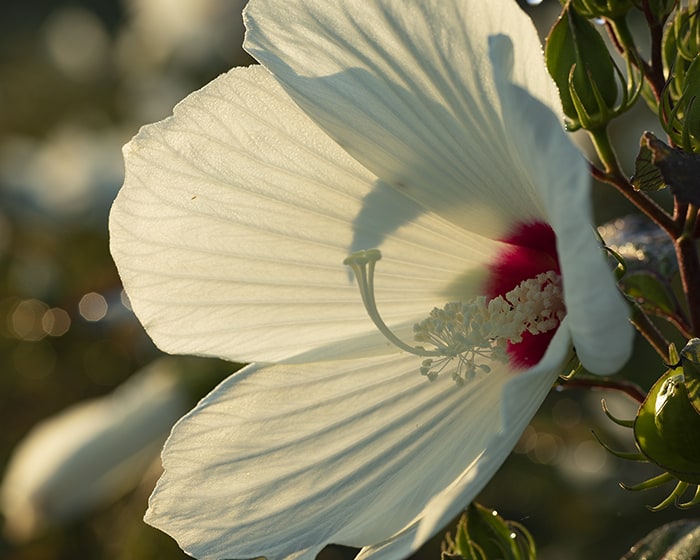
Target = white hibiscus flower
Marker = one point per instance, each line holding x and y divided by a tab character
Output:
428	130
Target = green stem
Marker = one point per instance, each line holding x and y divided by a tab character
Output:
691	218
656	31
649	331
614	176
624	41
627	387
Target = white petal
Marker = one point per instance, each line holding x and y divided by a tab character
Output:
406	88
520	400
597	314
234	220
287	458
521	397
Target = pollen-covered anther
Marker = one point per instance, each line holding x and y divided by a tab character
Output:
473	332
480	330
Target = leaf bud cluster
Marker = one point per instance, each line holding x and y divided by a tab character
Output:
592	89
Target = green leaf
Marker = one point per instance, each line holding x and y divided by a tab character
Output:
650	292
647	177
679	540
679	169
482	535
579	62
602	8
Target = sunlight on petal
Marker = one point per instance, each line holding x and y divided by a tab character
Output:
271	208
421	144
407	90
337	444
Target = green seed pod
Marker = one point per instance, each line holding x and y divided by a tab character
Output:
667	427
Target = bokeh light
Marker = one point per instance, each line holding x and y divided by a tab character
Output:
55	321
26	319
78	80
77	43
93	307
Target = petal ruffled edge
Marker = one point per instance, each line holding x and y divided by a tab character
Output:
234	220
406	89
364	436
597	314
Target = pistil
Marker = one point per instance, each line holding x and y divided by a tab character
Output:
470	333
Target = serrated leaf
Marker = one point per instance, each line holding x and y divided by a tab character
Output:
674	541
647	177
680	169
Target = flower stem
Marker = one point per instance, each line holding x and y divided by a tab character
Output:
655	75
614	176
627	387
624	41
689	267
691	217
649	331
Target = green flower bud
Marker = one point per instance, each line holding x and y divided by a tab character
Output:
679	111
609	9
682	38
482	535
667	427
659	9
589	82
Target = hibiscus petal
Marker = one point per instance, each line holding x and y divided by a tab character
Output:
287	458
406	88
520	400
597	314
234	220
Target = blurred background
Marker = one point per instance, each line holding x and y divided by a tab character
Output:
77	80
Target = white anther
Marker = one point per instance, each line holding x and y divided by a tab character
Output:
471	332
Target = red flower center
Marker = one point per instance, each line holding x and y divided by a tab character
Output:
531	251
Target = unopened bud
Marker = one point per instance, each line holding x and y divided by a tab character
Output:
592	88
679	109
90	454
667	428
609	9
482	533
